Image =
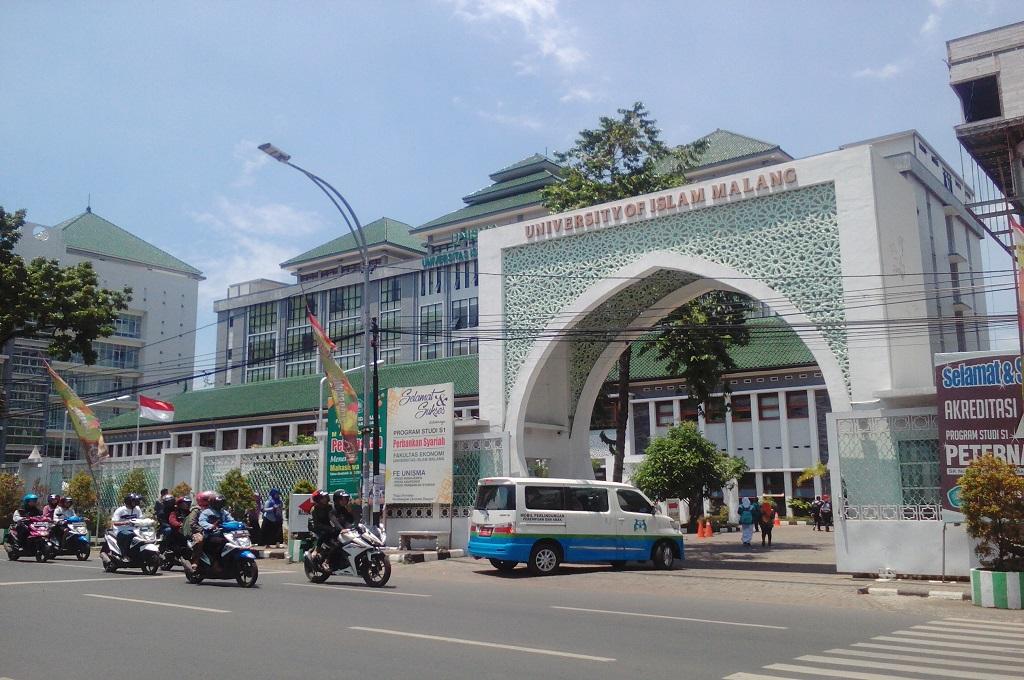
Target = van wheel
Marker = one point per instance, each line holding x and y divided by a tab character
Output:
503	565
545	558
663	556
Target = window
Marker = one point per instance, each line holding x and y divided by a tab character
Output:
458	348
300	358
688	411
344	310
740	404
430	331
919	472
715	410
390	313
586	500
116	356
229	440
544	498
262	317
979	98
128	326
261	342
465	314
496	497
796	405
207	439
768	406
664	416
631	501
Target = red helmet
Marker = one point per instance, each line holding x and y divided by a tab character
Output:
318	494
203	498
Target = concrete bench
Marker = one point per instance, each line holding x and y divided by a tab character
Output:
404	538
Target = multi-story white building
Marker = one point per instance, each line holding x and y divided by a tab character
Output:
153	340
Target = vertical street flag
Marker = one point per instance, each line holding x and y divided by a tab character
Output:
156	410
85	422
346	402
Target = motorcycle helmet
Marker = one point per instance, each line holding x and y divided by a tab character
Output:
341	497
29	498
67	501
203	499
217	502
184	503
168	501
52	500
132	500
319	495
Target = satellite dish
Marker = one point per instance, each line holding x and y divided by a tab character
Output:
41	232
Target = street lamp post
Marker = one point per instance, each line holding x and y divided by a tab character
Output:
356	228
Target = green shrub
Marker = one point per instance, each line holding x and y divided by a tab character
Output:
237	493
11	491
181	489
800	507
992	497
135	482
83	491
303	486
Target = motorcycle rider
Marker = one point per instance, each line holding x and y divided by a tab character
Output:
60	514
211	520
320	520
190	528
52	501
343	516
29	508
176	520
121	519
166	508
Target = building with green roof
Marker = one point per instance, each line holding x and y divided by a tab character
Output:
153	337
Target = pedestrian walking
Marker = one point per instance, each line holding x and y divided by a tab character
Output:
746	520
252	519
273	520
826	512
816	513
767	515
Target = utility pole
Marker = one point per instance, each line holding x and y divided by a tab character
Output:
375	343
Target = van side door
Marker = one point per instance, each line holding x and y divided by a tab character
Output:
592	538
636	524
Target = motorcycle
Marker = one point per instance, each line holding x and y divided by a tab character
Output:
73	538
143	551
360	554
38	543
236	559
173	549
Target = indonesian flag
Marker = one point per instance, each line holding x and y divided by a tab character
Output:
83	420
153	409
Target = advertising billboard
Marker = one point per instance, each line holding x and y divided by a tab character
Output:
979	412
420	442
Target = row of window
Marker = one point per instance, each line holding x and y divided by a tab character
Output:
561	498
463	275
128	326
768	408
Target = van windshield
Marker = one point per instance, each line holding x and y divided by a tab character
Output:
496	497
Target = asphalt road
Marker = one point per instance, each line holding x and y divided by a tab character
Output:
460	619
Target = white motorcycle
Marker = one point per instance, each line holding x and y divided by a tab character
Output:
361	554
143	548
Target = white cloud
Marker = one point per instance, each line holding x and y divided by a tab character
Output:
931	23
252	160
269	219
886	72
512	120
577	94
550	35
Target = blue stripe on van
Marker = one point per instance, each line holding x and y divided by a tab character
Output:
576	548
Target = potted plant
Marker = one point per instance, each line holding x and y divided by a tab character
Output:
992	500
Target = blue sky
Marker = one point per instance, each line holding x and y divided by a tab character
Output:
156	108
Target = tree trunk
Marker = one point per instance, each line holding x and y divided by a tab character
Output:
622	417
696	511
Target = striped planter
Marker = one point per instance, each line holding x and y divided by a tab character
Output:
999	589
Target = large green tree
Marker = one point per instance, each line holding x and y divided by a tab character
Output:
623	157
66	306
684	464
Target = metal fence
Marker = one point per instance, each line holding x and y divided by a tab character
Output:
264	469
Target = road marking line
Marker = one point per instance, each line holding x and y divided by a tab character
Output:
282	571
942	672
999	624
943	652
936	643
927	659
673	618
159	604
350	589
974	628
85	580
492	645
744	676
993	633
834	672
965	638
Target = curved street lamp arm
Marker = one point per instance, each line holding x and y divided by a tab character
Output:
357	230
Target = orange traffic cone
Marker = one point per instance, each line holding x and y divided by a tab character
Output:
777	522
708	530
700	529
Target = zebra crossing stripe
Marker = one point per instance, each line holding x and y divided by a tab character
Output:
906	668
734	676
927	659
994	624
943	652
965	638
936	643
833	672
975	627
993	633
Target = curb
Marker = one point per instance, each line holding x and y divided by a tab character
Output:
273	554
418	557
914	592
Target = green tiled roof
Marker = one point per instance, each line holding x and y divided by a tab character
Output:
384	230
542	178
481	209
299	394
773	344
524	166
727	146
91	233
